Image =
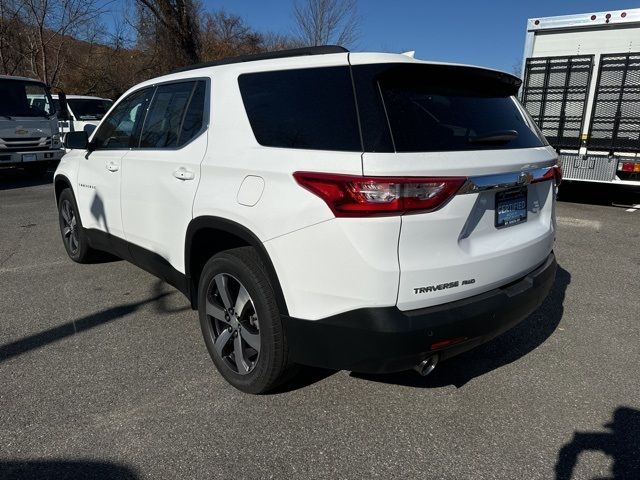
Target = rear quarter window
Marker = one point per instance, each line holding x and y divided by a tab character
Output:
303	108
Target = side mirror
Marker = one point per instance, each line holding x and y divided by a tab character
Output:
63	114
77	140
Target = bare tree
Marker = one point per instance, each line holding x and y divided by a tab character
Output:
174	28
322	22
12	47
225	35
48	27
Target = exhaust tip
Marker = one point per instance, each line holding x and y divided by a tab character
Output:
427	366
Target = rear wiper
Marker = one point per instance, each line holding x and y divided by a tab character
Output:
501	136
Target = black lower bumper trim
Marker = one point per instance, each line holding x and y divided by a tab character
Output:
382	340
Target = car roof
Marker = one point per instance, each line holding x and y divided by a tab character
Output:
288	59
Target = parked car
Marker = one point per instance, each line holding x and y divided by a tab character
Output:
360	211
29	136
84	112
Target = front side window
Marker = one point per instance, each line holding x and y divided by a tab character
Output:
310	108
24	99
175	115
117	130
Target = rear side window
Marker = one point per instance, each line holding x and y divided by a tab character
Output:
440	108
305	108
175	115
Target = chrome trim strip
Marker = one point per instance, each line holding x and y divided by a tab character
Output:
502	181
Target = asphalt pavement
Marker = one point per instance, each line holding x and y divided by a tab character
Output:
104	374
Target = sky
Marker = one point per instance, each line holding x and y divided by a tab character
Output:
481	32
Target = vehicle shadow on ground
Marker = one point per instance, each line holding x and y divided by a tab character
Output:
503	350
64	470
73	327
11	178
598	194
302	377
621	443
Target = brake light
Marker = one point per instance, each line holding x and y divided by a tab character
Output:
554	173
631	167
359	196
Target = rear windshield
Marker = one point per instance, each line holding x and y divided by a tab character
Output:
304	108
423	108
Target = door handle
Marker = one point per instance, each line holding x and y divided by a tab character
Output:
113	166
184	174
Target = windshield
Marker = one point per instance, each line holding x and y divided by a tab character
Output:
24	99
88	108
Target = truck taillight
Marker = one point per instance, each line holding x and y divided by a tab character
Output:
630	167
360	196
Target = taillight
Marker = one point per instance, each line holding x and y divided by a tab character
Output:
554	173
359	196
630	167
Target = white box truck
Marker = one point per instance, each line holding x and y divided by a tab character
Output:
29	134
581	84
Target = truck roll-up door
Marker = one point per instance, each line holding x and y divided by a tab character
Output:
554	92
615	122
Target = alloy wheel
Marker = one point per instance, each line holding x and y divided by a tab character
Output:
235	324
69	226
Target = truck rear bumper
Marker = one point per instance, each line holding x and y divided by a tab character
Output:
386	339
597	169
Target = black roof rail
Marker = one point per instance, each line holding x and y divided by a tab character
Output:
293	52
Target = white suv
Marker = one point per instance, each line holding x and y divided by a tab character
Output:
358	211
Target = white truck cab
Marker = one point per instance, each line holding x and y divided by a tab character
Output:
85	112
29	135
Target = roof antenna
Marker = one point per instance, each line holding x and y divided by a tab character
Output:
410	54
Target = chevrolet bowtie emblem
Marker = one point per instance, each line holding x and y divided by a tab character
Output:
525	178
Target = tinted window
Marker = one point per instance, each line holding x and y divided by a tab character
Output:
117	130
194	118
310	108
440	108
175	115
89	108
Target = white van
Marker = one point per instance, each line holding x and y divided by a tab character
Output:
85	112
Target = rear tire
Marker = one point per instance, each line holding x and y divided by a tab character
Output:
74	237
241	322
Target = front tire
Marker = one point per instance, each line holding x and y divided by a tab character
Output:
240	321
73	235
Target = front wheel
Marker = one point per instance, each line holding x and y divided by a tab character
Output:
240	321
73	236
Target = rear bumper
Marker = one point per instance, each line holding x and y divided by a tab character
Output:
381	340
